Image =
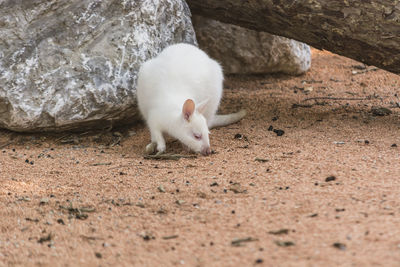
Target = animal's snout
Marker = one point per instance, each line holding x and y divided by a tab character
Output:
205	151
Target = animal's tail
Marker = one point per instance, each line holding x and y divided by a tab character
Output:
224	120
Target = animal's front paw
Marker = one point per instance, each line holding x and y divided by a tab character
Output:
160	149
151	148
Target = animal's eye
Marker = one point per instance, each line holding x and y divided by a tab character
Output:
197	136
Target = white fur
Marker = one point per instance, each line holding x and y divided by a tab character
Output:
181	72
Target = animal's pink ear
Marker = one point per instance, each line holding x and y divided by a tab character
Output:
202	106
188	109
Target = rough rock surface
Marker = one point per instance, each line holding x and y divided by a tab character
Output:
73	64
244	51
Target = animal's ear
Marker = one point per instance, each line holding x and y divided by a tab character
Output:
202	106
188	109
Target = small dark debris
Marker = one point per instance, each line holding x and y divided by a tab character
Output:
258	261
170	237
44	201
79	213
274	118
261	160
122	173
340	210
339	246
32	220
81	216
237	188
366	142
330	178
279	132
98	255
380	111
284	243
238	136
61	221
201	195
147	236
394	145
238	242
270	128
283	231
313	215
214	184
46	238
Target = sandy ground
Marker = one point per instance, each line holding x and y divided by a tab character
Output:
325	193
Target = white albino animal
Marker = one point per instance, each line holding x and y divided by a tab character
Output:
178	93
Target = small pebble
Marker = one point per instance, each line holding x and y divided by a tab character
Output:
330	178
258	261
339	246
98	255
279	132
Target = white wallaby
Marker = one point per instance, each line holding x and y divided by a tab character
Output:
179	93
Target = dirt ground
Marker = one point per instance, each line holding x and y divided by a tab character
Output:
301	181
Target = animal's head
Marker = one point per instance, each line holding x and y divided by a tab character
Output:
195	134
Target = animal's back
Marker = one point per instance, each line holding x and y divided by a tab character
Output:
180	72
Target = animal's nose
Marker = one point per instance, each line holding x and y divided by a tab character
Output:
206	151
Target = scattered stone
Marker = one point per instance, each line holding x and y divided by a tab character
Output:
380	111
284	243
330	178
339	142
147	236
238	242
214	184
366	142
279	132
161	189
201	195
32	220
308	89
46	238
339	246
44	201
261	160
170	237
180	202
61	221
283	231
98	255
237	188
258	261
270	128
394	145
238	136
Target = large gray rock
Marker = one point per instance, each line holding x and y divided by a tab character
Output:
243	51
72	64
